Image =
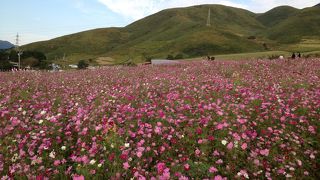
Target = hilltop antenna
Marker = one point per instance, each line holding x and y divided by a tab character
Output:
17	40
20	52
209	18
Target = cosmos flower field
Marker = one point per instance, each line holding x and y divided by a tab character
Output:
246	119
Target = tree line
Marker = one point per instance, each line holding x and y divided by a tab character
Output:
33	59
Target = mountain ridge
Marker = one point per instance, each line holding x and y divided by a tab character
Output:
184	31
5	45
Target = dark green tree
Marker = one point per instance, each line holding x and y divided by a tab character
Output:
179	56
3	55
82	64
147	58
5	65
170	57
13	56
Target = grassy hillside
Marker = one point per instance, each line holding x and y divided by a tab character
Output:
300	25
276	15
184	31
93	42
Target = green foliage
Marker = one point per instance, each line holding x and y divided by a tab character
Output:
273	56
35	54
13	55
170	57
147	58
179	56
130	63
3	55
203	49
82	64
44	65
5	65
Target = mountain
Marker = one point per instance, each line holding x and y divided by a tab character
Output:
184	31
300	24
5	45
318	5
276	15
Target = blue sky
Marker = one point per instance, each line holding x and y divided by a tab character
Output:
37	20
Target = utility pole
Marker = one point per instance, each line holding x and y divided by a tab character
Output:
209	18
20	52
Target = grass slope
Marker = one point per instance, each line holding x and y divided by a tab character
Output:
276	15
305	23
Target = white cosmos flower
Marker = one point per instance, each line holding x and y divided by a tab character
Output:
41	121
14	158
288	176
63	148
92	162
126	145
52	154
224	142
43	112
236	144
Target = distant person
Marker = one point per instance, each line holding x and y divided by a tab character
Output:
293	56
281	57
299	55
211	58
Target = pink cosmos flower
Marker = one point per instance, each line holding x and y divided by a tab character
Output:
264	152
198	152
312	130
219	126
230	145
76	177
160	167
186	167
213	170
139	154
242	121
281	171
244	146
56	163
126	165
218	177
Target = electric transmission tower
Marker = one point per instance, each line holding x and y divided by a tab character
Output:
19	51
209	18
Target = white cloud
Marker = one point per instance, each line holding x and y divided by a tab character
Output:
136	9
